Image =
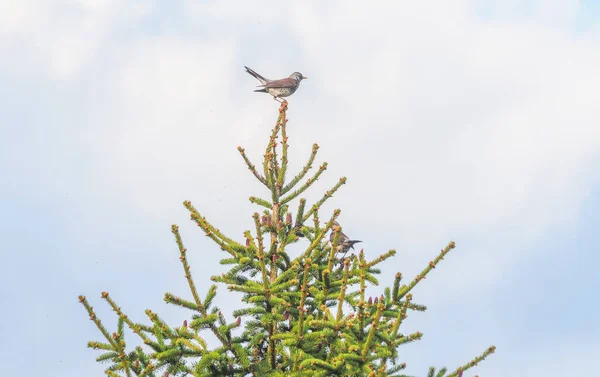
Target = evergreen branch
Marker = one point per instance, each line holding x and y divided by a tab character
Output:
102	346
318	238
407	339
260	202
145	328
327	195
318	363
473	362
275	224
287	276
251	167
267	156
342	295
204	322
374	325
306	185
401	316
396	287
97	321
187	270
268	172
272	301
199	349
121	353
284	155
303	172
260	251
173	353
245	288
381	258
142	359
270	167
135	328
405	289
188	276
298	222
322	298
326	312
275	168
107	356
361	301
210	295
316	226
250	244
147	370
417	307
215	234
396	368
120	324
275	162
119	344
172	299
161	329
303	293
283	236
285	286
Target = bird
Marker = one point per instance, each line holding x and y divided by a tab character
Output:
344	242
278	88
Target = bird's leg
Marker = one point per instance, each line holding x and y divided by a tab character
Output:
276	99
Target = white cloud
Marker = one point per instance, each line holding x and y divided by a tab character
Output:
58	37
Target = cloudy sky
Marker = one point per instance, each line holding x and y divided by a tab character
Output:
472	121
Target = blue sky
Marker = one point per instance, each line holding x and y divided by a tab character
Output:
474	122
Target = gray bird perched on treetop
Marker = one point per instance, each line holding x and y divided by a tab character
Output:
278	88
344	242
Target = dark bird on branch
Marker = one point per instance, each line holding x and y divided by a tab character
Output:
344	242
278	88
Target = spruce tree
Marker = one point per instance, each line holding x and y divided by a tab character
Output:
300	315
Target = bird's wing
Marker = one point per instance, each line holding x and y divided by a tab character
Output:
283	83
344	237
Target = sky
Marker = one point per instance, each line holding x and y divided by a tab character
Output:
471	121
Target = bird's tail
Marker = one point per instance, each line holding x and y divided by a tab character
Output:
257	76
352	242
261	90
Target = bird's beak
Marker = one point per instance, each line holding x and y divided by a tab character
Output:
304	77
